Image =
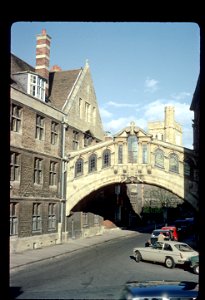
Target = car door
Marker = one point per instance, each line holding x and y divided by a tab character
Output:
159	254
153	253
168	251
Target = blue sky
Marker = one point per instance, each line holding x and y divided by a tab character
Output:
137	68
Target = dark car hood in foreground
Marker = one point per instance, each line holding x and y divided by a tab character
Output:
161	290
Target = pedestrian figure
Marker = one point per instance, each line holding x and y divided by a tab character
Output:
161	237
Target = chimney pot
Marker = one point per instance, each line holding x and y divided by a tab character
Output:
56	68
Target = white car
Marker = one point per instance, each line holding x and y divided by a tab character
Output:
169	253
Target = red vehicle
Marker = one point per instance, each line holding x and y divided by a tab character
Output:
173	229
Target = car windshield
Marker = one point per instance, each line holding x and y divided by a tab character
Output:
184	247
156	233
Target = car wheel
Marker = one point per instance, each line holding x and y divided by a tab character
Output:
196	269
138	256
169	263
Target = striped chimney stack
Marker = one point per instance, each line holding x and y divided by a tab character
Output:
43	41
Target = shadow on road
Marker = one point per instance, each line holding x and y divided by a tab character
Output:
132	257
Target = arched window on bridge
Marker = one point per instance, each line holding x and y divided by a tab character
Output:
106	158
120	154
159	158
79	167
173	163
92	163
132	149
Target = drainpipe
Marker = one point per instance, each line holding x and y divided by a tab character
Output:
62	182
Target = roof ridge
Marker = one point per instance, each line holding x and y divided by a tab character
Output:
65	70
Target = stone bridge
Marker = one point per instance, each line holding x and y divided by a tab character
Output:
132	157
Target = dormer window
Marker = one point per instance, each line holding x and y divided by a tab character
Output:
36	86
31	83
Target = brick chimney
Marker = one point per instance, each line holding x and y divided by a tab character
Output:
43	41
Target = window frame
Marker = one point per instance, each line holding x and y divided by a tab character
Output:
174	168
52	220
132	142
38	170
75	140
190	164
14	218
159	152
120	154
16	117
36	218
53	173
79	167
54	132
106	158
87	111
92	163
37	87
15	166
40	127
87	139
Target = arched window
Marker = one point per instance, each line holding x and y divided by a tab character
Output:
120	154
189	168
132	149
106	158
79	167
173	163
92	163
159	158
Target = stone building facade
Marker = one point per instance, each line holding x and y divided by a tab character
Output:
52	113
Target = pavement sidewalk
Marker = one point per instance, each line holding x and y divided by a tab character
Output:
21	259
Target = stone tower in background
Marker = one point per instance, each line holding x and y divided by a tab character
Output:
168	130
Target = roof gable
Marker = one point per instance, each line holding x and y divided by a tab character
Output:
132	130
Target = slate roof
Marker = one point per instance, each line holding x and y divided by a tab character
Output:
18	65
60	85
